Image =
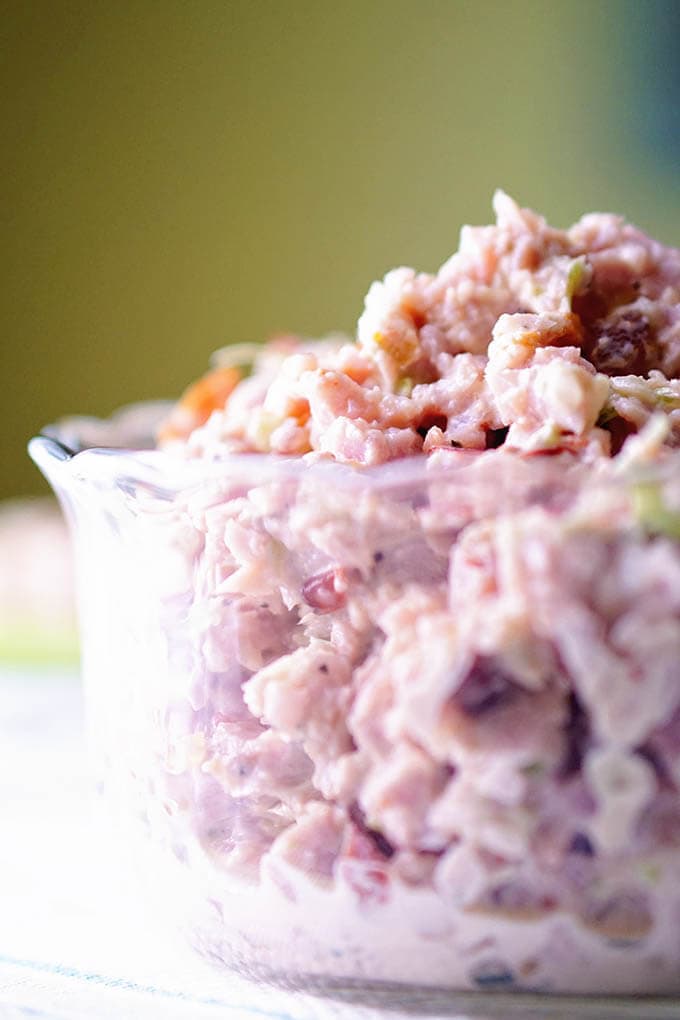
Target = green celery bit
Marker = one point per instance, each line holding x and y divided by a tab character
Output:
575	276
650	872
607	414
667	399
652	513
405	386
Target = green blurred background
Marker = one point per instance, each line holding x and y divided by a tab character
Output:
177	175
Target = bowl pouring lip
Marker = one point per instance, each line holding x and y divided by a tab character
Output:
122	446
164	470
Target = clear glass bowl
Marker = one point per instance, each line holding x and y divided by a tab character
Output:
397	734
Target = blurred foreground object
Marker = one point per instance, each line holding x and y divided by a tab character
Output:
37	610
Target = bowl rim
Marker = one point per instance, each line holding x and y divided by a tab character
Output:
119	450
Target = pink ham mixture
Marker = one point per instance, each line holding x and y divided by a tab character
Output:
470	687
541	338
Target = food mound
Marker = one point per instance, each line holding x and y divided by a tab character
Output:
527	337
434	646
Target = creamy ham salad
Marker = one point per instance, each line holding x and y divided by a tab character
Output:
416	679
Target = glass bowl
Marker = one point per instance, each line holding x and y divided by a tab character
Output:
396	734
